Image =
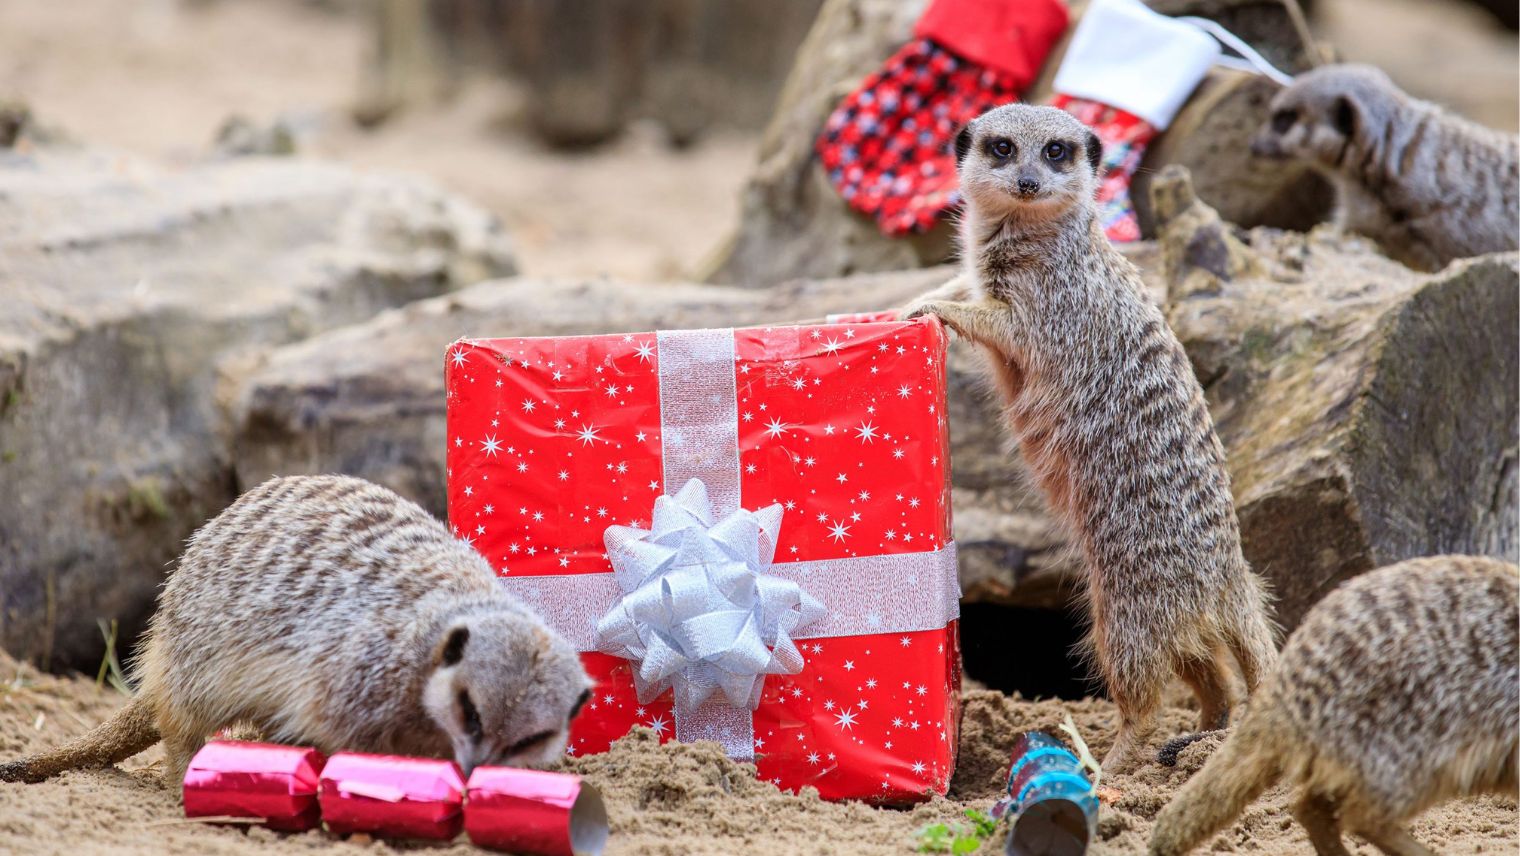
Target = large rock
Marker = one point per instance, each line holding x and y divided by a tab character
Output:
590	66
1369	413
794	225
368	400
127	288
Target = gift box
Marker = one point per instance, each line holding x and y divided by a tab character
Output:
236	779
534	812
392	796
745	532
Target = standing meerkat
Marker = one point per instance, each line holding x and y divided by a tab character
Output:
1428	186
1399	690
327	611
1109	418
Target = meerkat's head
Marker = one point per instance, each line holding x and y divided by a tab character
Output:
1026	162
1318	117
504	688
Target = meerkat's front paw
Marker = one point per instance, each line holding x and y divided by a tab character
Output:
916	310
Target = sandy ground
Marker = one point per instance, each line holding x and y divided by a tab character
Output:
668	800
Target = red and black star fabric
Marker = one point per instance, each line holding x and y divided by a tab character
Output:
886	148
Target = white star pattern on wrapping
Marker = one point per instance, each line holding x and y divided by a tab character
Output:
821	460
458	356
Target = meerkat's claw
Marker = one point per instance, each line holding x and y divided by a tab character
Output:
1167	755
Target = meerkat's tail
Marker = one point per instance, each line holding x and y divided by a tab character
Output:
1246	764
128	732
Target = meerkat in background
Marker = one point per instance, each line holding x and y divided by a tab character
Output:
1399	690
1108	416
1428	186
327	611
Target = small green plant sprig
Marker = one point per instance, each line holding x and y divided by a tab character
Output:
957	838
110	665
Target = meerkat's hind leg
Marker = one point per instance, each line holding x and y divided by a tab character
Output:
1207	678
183	737
1252	642
1137	694
1316	813
1395	840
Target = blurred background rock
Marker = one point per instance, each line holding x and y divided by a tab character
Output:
161	77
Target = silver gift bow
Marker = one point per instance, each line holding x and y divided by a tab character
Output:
698	612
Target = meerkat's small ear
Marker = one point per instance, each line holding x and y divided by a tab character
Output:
962	144
1344	116
451	650
1094	152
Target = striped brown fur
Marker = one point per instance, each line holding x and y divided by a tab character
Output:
1109	418
1427	185
1399	690
327	611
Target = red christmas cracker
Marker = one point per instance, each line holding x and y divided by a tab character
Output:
823	453
392	796
275	784
534	812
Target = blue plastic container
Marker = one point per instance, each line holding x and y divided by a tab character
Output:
1051	800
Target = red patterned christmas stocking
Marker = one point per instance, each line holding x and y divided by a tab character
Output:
886	148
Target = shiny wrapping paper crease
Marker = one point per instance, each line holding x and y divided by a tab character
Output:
276	784
534	812
392	796
553	440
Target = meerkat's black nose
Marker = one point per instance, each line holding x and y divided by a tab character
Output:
1028	187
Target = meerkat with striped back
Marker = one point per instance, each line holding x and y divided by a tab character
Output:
1109	418
1427	185
327	611
1399	690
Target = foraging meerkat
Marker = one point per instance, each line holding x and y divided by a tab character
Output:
1109	418
1399	690
327	611
1428	186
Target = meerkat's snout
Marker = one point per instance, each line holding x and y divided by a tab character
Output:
1028	185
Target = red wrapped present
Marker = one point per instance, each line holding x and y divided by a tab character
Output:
275	784
534	812
392	796
746	533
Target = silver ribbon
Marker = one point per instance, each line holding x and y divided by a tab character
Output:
694	601
697	614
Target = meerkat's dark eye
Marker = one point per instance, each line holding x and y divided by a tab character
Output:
471	716
1055	152
527	743
580	703
1002	149
1282	120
